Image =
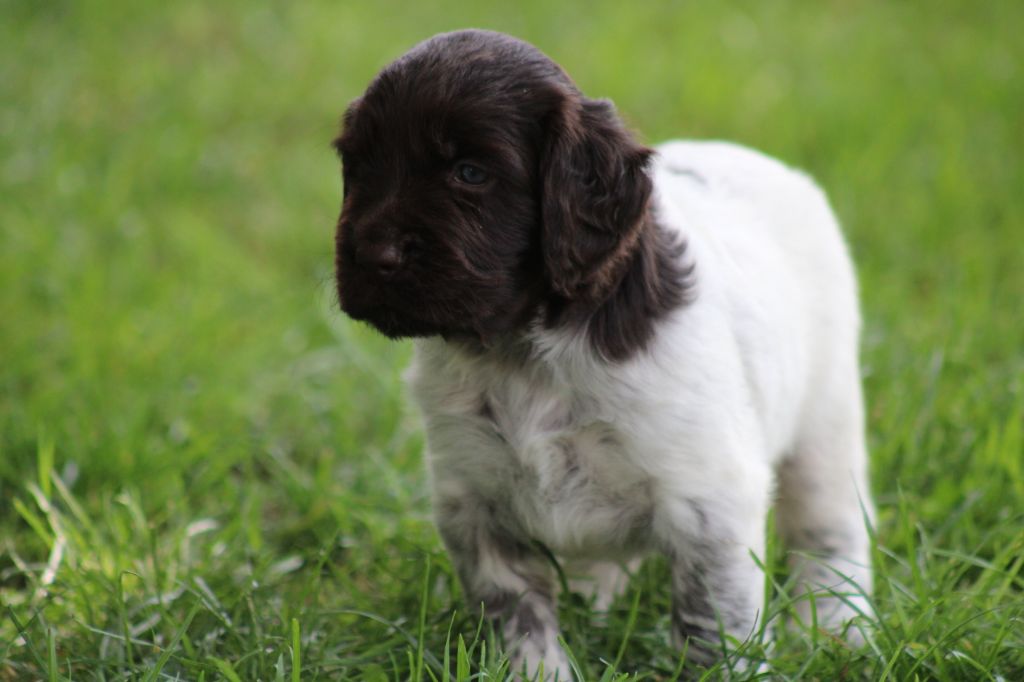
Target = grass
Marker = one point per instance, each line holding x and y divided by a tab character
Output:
206	473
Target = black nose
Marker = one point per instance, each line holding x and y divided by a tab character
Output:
386	258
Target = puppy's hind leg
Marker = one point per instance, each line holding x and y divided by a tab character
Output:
822	504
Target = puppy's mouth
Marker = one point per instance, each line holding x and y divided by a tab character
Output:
399	313
393	323
419	303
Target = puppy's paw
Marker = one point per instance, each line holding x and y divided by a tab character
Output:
546	661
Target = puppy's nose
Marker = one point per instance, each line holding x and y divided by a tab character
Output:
384	257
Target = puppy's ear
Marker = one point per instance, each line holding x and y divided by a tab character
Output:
595	191
346	124
341	143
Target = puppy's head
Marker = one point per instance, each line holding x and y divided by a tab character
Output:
479	187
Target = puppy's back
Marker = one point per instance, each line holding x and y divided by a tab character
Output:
769	255
762	217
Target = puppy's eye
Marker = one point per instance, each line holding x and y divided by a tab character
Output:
470	174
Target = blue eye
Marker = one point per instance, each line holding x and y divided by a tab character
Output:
470	174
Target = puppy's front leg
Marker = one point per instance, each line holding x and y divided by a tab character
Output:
513	581
716	584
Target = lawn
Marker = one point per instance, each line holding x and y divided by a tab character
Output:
207	473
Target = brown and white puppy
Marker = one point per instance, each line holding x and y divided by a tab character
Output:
618	350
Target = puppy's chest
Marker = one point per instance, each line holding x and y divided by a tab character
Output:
558	469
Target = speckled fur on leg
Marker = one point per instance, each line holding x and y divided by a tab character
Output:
717	587
514	583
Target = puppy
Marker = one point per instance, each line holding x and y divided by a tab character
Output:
618	350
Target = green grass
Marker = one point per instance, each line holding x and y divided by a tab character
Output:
206	473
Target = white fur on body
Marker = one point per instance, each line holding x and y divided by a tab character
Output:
748	395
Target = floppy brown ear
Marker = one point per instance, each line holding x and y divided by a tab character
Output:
595	193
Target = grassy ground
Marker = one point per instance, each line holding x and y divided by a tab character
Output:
206	473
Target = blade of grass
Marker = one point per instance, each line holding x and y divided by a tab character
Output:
169	649
51	643
225	669
296	652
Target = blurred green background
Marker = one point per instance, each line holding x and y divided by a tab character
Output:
198	454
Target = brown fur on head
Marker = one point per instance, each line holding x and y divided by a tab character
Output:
553	224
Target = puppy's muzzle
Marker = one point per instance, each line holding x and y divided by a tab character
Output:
386	257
